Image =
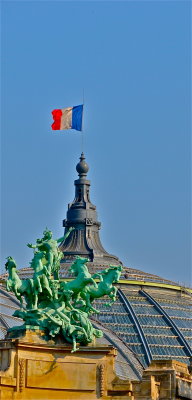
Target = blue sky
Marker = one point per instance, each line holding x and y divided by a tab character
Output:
133	61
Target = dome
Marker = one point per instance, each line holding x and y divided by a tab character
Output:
151	318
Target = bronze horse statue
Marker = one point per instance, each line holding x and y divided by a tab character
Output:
105	287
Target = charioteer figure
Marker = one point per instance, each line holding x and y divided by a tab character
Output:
52	253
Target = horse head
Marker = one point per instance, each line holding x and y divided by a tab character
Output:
78	264
10	263
114	272
117	272
38	255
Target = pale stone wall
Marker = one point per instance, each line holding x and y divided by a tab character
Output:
164	380
32	369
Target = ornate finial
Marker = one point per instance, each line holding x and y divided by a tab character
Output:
82	214
82	167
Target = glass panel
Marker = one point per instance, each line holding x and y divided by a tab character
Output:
178	313
7	310
158	331
163	340
12	321
6	300
129	338
146	310
154	321
172	351
2	333
183	323
138	349
171	302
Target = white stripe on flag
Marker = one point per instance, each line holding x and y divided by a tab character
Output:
66	119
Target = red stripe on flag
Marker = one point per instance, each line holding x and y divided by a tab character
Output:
57	114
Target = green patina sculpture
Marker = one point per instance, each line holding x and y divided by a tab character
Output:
60	308
52	253
105	287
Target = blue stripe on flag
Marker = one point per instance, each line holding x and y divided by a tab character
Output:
77	114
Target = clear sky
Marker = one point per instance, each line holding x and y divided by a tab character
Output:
133	60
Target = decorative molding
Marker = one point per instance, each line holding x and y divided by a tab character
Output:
89	221
102	384
21	374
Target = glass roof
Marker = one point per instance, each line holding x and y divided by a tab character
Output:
160	336
154	331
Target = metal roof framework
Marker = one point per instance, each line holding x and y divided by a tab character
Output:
168	319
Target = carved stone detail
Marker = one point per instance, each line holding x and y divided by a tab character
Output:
21	374
89	221
102	384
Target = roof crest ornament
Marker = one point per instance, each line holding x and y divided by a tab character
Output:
82	215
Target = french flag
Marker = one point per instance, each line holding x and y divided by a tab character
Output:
68	118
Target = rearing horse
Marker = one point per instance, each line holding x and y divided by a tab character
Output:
24	287
83	278
105	287
28	288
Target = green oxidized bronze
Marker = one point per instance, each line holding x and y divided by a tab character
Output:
60	308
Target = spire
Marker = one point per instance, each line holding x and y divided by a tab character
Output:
84	240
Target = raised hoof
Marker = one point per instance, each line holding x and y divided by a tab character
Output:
74	350
94	311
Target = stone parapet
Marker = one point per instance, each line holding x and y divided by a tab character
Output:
32	369
164	380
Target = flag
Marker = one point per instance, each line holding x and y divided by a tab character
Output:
68	118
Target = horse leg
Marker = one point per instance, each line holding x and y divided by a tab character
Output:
35	301
56	273
89	307
94	283
91	281
18	294
50	259
21	302
39	285
46	285
68	304
19	297
76	299
112	295
74	344
8	285
74	341
114	292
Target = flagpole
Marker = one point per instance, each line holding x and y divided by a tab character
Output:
82	136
